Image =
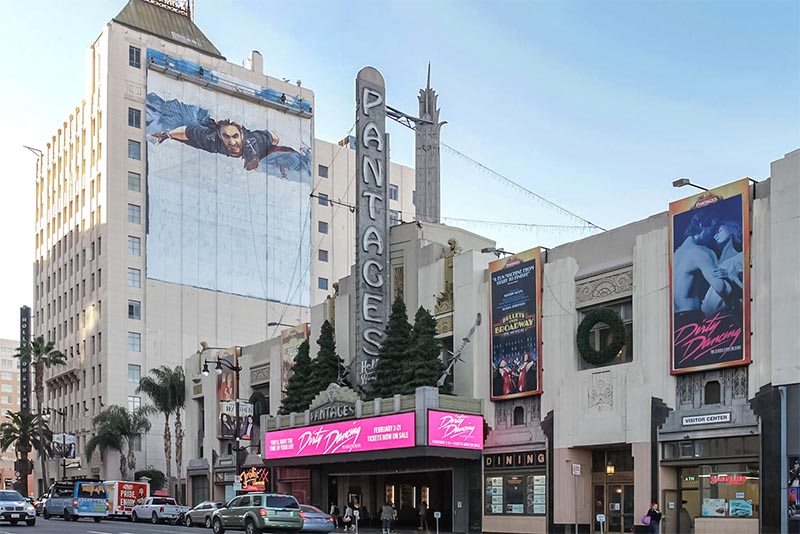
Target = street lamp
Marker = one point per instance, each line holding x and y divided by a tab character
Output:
496	251
219	364
681	182
63	414
274	323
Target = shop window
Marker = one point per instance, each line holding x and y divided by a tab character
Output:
713	394
515	494
519	416
725	490
600	335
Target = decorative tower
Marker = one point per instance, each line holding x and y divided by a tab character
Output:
428	202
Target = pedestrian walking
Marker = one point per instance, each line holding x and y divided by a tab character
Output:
423	516
386	518
652	518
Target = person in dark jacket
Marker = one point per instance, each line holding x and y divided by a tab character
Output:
655	517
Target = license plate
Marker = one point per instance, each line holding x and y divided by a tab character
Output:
14	516
284	514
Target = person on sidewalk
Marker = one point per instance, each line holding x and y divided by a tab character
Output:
386	518
423	516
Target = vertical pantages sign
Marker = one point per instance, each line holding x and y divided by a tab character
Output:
372	222
24	367
515	311
710	279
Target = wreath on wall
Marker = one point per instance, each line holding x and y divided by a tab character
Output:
606	354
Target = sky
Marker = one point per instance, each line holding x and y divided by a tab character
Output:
595	106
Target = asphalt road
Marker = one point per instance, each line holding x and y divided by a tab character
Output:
87	526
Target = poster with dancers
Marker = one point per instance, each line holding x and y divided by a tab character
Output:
710	279
515	304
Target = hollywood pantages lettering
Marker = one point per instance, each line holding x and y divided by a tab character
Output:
371	221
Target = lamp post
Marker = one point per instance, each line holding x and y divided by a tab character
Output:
63	414
219	364
275	323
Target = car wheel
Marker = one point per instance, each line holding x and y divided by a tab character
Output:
75	517
66	515
154	518
98	519
30	522
250	527
45	514
134	517
208	521
218	528
187	521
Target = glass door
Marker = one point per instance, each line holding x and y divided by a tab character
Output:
619	512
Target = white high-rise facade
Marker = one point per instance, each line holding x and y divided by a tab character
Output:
184	199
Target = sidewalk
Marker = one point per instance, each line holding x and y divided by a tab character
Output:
401	530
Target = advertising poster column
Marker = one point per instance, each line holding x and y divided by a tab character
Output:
710	279
291	339
515	315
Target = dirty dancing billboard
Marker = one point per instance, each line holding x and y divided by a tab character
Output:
709	279
228	182
515	319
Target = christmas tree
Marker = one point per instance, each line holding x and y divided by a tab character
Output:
327	367
424	365
390	369
298	394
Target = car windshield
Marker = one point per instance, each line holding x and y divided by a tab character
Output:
311	509
91	490
12	496
281	501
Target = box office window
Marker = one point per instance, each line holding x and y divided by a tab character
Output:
517	493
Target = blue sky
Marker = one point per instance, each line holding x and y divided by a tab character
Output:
597	106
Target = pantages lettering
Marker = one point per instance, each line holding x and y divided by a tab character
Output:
455	427
371	222
328	441
336	410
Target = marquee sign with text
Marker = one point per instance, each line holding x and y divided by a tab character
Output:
455	430
514	459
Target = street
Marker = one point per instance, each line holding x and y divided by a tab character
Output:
59	526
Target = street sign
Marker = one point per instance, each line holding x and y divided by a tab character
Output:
576	469
437	515
600	518
356	513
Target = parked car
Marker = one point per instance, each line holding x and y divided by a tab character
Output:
38	504
123	496
15	508
157	510
201	514
257	512
75	499
315	520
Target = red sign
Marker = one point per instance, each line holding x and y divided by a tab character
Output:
728	479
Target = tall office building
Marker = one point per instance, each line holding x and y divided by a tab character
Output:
9	401
184	199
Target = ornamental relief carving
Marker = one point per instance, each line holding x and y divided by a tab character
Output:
604	288
600	394
259	375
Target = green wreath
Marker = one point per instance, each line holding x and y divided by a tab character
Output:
618	335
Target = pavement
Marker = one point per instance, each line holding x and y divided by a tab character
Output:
87	526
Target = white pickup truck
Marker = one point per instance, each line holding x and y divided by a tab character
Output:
157	509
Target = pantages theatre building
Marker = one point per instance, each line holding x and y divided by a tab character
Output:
656	362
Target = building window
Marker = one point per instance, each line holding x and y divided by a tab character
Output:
134	149
6	388
134	309
394	217
323	255
135	57
713	395
134	277
134	342
134	373
134	246
322	170
134	214
600	335
136	443
519	416
322	283
134	182
322	226
134	403
5	375
322	198
394	193
134	118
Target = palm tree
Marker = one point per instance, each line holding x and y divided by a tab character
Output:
116	428
25	432
40	355
166	389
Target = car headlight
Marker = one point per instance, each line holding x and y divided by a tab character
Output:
30	508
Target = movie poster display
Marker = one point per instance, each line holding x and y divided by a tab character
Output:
515	300
291	339
228	182
709	279
230	426
226	390
63	446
